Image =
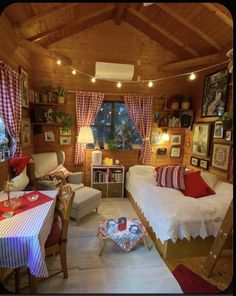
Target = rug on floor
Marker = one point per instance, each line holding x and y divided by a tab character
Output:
116	271
192	283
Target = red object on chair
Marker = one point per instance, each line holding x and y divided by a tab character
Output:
121	223
19	163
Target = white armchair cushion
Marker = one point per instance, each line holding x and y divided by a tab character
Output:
44	162
20	181
75	178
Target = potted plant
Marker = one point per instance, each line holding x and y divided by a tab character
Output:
226	121
185	104
106	144
61	95
44	91
175	101
63	119
112	146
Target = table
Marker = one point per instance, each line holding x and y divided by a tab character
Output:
124	239
22	237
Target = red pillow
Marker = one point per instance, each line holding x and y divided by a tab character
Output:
195	186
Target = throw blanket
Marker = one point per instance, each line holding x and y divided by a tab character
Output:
19	163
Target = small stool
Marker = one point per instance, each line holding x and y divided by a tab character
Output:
85	201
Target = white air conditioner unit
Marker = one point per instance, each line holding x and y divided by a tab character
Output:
114	71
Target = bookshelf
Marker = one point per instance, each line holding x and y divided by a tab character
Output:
108	179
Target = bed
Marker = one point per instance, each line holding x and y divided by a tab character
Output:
181	226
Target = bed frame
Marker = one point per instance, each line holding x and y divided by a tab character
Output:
197	247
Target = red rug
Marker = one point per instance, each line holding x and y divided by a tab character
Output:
192	283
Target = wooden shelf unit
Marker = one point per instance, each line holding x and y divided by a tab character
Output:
108	179
46	104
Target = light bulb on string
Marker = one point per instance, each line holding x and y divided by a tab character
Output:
192	76
119	84
150	83
59	62
73	72
93	79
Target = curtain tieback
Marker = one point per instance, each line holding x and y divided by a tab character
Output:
16	140
145	139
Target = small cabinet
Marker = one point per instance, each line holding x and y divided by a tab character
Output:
108	179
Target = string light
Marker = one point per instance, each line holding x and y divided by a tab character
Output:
192	76
73	72
119	84
59	62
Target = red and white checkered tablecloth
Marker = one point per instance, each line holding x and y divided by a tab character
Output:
22	237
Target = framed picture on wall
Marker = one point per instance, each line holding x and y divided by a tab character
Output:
220	156
215	93
201	135
194	161
204	164
25	134
228	135
175	151
65	131
49	136
175	139
65	140
24	87
218	130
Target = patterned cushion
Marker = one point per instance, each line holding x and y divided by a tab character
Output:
170	176
60	168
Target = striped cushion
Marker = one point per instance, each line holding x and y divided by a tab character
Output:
60	168
171	177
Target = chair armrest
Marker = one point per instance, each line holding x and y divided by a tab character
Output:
75	178
52	181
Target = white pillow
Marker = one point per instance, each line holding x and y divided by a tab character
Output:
20	181
210	179
142	170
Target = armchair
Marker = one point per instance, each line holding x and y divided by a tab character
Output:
50	164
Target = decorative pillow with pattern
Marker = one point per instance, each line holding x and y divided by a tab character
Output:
60	168
171	177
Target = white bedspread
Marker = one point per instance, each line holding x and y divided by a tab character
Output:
173	215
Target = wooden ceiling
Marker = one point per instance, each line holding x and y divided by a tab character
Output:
190	34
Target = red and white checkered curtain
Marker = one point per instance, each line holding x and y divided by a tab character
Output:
87	107
10	105
139	108
230	175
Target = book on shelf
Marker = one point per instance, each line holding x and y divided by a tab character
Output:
99	176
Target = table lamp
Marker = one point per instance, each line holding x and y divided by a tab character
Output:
85	137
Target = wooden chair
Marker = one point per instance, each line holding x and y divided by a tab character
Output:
57	239
56	242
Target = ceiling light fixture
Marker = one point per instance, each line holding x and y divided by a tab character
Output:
73	72
93	79
119	84
59	62
150	83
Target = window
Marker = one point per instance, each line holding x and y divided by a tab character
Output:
4	137
113	122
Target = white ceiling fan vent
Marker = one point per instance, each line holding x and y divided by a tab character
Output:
114	71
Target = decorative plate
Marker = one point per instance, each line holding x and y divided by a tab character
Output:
134	229
111	223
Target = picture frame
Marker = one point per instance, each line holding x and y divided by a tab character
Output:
156	137
24	87
161	151
220	156
25	134
201	136
49	136
175	140
215	93
218	130
175	151
204	164
65	131
156	117
65	140
228	135
194	161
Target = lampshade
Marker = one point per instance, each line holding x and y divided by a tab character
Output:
85	135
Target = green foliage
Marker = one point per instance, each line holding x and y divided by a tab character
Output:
176	98
45	89
65	120
186	99
225	117
112	146
61	92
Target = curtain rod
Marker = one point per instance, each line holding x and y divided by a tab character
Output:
122	94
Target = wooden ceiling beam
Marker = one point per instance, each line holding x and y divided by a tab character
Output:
47	13
191	62
119	13
189	25
138	20
225	18
81	24
42	51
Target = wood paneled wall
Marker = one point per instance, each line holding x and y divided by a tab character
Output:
197	93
